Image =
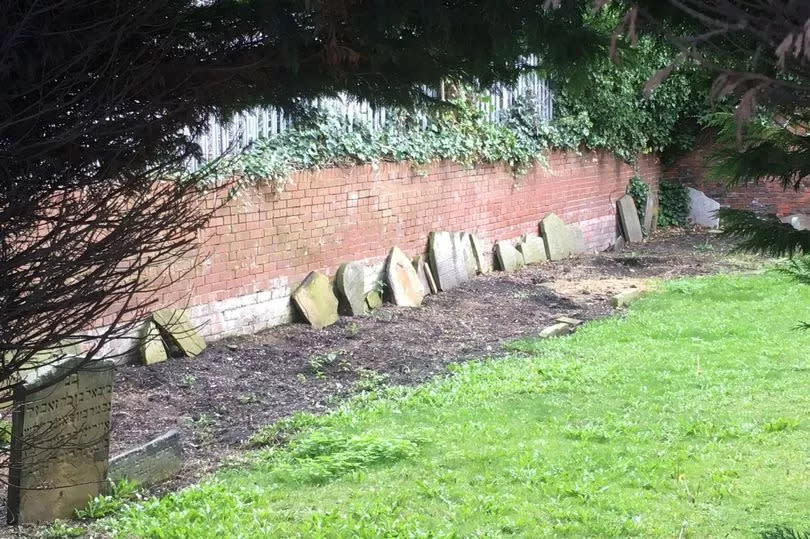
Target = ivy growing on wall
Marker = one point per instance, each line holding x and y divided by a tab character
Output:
639	190
603	109
673	203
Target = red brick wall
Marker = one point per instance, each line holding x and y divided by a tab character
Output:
763	197
264	243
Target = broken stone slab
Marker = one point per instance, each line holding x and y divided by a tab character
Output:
625	298
431	281
152	348
422	271
406	289
176	324
702	209
556	330
557	237
445	260
482	258
150	464
574	322
628	218
350	288
799	221
533	249
316	300
469	255
509	258
578	245
374	300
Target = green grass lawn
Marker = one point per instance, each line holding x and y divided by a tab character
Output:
685	417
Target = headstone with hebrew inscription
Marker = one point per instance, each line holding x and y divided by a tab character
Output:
60	440
628	219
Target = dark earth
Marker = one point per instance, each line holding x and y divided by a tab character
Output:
239	385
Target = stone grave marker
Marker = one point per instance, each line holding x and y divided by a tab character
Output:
469	256
557	237
460	258
350	288
508	257
431	281
533	249
177	325
702	209
152	348
150	464
60	440
482	259
406	289
422	272
374	300
628	218
316	301
444	257
649	213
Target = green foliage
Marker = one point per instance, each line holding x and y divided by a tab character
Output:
106	504
673	204
765	235
784	532
629	428
60	529
639	190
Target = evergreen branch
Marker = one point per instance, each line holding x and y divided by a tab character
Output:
783	532
763	235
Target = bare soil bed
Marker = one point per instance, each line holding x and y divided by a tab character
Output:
239	385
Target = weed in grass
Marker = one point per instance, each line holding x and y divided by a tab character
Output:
60	529
318	364
780	425
106	504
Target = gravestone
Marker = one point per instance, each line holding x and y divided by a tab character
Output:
316	301
628	218
533	249
482	259
649	214
406	289
460	258
444	257
60	440
556	330
557	237
431	281
422	272
152	348
469	256
350	288
150	464
176	324
799	221
578	245
509	258
702	209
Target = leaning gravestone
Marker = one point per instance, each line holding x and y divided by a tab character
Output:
316	301
702	209
649	214
443	256
60	440
149	464
430	280
557	237
533	249
422	272
481	258
406	289
152	348
350	287
177	325
628	218
468	255
508	257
